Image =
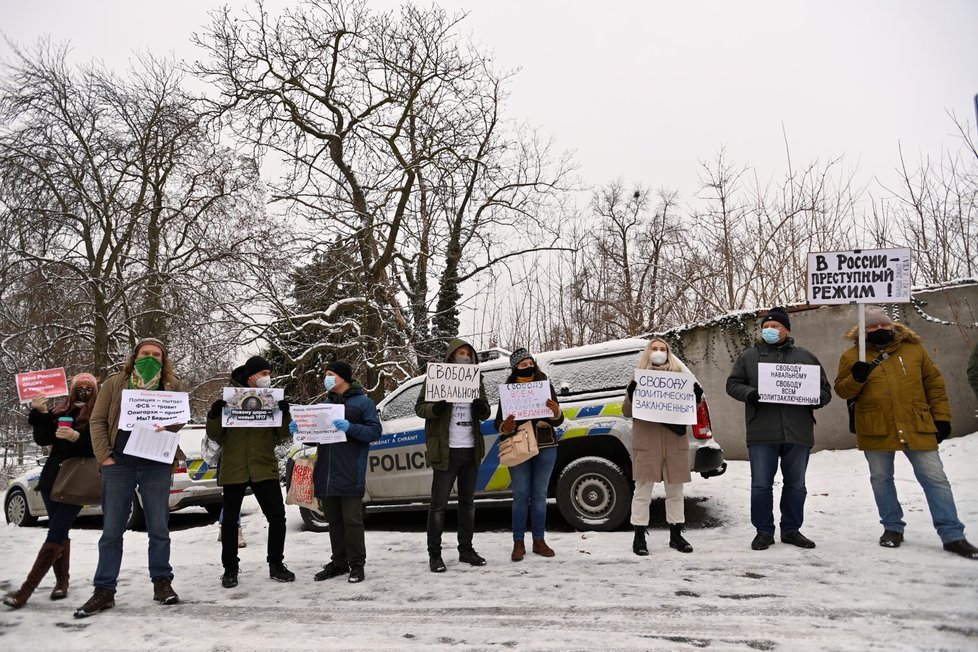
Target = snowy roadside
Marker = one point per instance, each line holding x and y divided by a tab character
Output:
848	593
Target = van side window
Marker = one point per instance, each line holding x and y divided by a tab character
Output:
603	372
402	405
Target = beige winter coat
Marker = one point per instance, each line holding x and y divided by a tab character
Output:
655	446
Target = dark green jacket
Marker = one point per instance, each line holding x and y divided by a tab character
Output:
247	454
436	425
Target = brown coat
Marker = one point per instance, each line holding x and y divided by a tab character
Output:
902	398
653	444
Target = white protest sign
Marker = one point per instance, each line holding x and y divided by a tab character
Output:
315	423
526	400
249	407
454	383
859	276
799	384
151	407
145	442
664	397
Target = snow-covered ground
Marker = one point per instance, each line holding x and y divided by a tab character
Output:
846	594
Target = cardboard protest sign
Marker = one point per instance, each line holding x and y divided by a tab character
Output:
664	397
315	423
526	400
249	407
799	384
46	383
153	408
859	276
454	383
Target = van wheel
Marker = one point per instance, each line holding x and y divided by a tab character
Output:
313	521
593	494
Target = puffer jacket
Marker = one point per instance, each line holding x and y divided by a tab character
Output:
45	424
902	397
247	454
341	468
776	423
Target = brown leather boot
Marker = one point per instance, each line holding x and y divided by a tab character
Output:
45	557
519	551
60	590
541	548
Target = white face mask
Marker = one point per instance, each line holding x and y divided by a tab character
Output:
658	357
264	381
462	358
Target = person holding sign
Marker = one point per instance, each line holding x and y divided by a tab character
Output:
340	474
148	368
777	431
530	479
65	430
660	452
455	448
901	405
248	461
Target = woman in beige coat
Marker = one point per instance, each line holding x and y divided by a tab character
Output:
660	453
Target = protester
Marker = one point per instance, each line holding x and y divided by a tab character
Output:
530	480
901	404
248	461
455	448
147	368
660	453
340	474
973	370
66	442
776	432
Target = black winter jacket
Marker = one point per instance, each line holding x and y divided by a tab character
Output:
45	424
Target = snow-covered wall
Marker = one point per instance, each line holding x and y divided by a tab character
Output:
946	319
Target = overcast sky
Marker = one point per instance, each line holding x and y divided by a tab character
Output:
646	90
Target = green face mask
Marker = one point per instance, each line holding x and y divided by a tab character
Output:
146	373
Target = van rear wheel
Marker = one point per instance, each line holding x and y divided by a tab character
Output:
593	494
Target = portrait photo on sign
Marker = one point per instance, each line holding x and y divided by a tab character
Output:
252	406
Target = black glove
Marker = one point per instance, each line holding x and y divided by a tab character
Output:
698	391
861	371
943	430
480	406
754	398
440	408
216	408
283	405
630	390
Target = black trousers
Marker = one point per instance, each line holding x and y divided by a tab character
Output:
268	493
60	518
463	467
345	517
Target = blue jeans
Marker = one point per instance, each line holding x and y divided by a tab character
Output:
929	470
529	484
764	460
119	482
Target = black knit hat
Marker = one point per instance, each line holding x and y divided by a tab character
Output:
341	369
518	356
779	315
254	364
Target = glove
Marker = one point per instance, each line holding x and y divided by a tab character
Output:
943	430
754	398
216	408
480	406
861	371
698	391
630	390
293	427
283	405
440	408
508	425
341	424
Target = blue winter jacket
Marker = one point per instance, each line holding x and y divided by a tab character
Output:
341	469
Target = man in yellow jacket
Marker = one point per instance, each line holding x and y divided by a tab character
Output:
901	405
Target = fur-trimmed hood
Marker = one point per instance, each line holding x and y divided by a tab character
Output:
901	332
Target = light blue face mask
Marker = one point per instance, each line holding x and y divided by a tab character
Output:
770	335
329	382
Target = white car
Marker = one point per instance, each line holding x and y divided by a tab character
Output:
194	485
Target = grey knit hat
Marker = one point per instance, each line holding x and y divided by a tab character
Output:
876	316
518	356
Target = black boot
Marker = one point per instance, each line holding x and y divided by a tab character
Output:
676	539
639	547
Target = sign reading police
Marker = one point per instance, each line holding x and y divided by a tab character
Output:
453	383
859	276
664	397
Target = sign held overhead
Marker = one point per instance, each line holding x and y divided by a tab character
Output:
859	276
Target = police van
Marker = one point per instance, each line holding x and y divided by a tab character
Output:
592	476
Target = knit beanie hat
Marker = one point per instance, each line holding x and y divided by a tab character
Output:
86	378
150	340
518	356
341	369
254	364
876	316
779	315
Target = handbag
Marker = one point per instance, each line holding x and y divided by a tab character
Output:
546	435
78	483
302	488
519	447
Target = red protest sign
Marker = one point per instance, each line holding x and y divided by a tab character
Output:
47	383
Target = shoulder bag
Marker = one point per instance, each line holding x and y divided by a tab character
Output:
519	447
78	483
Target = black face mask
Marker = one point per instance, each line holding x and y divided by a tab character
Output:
882	337
526	373
83	394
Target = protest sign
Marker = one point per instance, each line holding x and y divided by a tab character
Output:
146	442
859	276
46	383
315	423
526	400
799	384
664	397
249	407
454	383
152	407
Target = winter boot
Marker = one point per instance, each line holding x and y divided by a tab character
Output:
45	558
639	547
541	548
519	551
241	540
163	591
676	539
280	572
60	590
963	548
101	600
